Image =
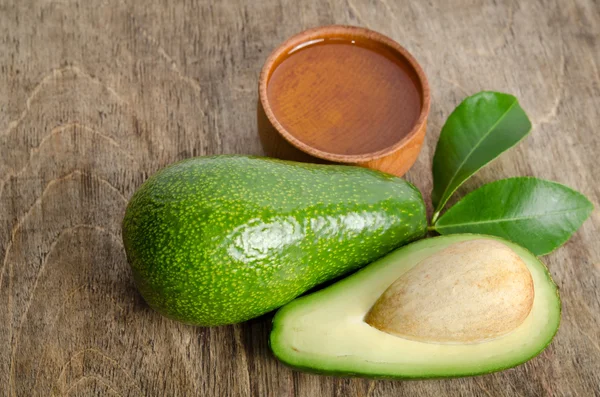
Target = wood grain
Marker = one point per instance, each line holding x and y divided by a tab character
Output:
97	95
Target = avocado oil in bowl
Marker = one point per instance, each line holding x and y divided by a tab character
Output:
344	94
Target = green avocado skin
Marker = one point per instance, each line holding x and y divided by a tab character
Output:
220	240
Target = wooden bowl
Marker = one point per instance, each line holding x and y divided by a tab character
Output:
395	153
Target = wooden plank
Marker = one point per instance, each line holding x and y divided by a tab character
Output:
97	95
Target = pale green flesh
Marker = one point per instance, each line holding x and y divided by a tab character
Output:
325	331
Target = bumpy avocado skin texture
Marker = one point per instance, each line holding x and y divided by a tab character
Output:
283	347
219	240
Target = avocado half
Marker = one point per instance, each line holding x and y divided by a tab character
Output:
326	331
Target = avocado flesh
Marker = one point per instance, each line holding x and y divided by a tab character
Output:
219	240
325	332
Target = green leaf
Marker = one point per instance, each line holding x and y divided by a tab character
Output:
539	215
478	130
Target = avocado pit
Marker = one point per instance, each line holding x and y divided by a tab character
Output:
470	292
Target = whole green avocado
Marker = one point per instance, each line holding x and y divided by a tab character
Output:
220	240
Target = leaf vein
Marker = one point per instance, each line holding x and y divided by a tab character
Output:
514	218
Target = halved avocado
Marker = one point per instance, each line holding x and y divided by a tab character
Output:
326	331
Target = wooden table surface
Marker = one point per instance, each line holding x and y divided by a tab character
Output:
97	95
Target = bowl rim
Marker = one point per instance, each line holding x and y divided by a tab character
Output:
314	33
